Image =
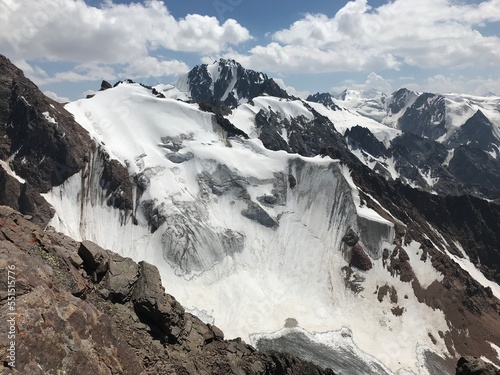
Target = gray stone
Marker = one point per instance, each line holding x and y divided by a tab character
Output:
120	278
180	158
257	213
95	259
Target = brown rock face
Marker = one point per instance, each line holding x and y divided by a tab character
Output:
81	309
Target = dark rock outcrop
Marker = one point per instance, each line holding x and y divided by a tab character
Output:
85	310
105	85
477	170
359	137
478	131
351	238
233	83
426	117
475	366
360	259
43	144
324	98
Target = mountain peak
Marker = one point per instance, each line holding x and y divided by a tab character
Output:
350	94
324	98
231	63
227	81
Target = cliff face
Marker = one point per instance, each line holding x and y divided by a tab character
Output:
84	310
44	145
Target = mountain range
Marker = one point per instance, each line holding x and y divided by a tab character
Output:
356	233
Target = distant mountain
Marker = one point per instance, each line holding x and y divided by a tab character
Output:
228	82
434	116
326	99
429	122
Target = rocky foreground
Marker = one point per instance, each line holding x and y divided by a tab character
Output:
84	310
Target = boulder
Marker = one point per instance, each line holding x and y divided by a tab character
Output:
120	278
350	238
360	259
95	260
153	306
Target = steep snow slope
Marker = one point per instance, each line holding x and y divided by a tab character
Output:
247	237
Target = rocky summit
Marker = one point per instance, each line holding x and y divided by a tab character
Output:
352	234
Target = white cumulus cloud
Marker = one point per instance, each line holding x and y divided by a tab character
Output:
110	40
52	95
71	30
424	34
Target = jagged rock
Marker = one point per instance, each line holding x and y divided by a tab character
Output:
324	98
400	265
425	117
153	305
475	366
105	85
117	184
478	131
120	278
350	238
95	259
359	137
49	146
360	259
246	84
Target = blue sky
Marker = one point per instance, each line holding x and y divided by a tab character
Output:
68	46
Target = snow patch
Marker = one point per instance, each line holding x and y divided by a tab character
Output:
450	155
471	269
424	271
6	166
49	118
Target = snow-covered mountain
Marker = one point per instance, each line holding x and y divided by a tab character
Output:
449	143
228	82
440	117
285	221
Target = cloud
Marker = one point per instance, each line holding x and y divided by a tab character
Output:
373	82
438	83
292	90
427	34
152	67
142	68
57	98
109	42
63	30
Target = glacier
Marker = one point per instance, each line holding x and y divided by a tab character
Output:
245	237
